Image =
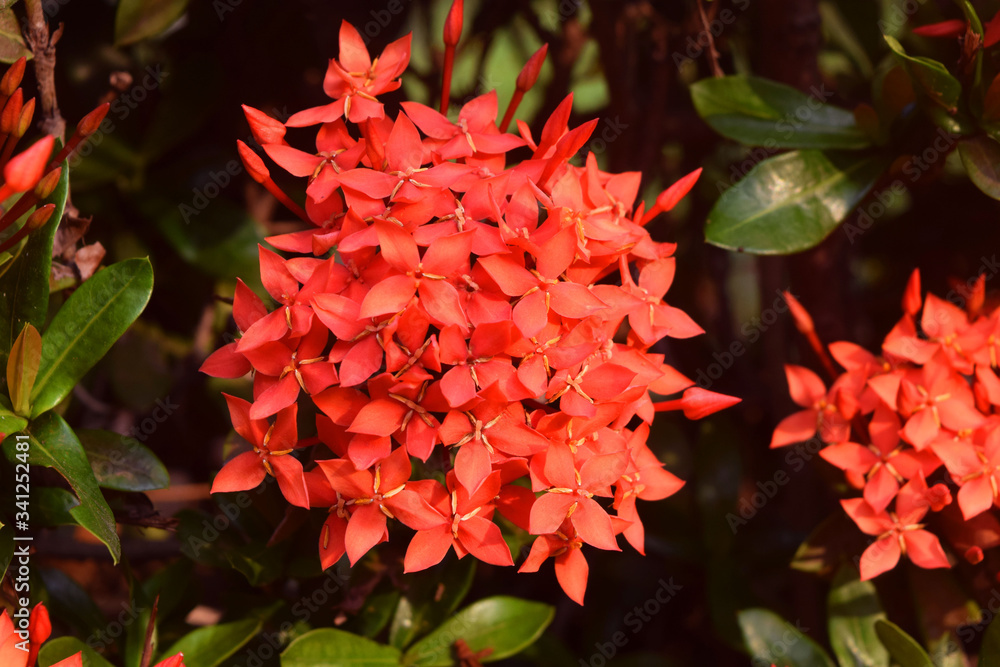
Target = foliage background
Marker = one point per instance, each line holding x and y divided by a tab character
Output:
167	182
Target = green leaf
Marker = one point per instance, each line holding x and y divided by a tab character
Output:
9	422
22	367
12	44
59	649
86	327
853	608
24	284
68	602
791	202
759	112
211	645
903	648
989	653
931	79
506	625
981	157
328	647
54	445
139	19
122	463
429	601
53	506
769	638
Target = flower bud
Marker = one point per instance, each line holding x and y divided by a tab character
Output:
24	122
255	166
911	295
12	77
11	112
92	121
803	320
24	170
48	184
529	74
39	217
453	24
266	130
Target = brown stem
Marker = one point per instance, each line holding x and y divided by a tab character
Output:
43	48
713	53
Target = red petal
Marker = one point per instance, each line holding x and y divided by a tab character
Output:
242	473
572	572
365	529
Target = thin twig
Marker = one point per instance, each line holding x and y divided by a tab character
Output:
713	53
43	48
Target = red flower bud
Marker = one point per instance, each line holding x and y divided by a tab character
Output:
24	122
974	555
803	320
453	24
48	184
529	74
39	217
255	166
92	121
911	295
24	171
12	112
12	77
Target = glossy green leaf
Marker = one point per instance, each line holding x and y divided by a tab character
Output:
376	613
52	506
139	19
981	157
87	325
791	202
506	625
63	647
759	112
12	44
853	608
430	600
24	283
211	645
22	367
328	647
931	79
769	638
54	445
122	463
903	648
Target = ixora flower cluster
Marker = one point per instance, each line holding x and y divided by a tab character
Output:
890	423
492	321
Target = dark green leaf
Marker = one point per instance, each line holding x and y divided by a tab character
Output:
12	44
139	19
59	649
791	202
24	284
54	445
505	625
759	112
9	422
375	614
769	638
209	646
122	463
328	647
171	585
853	608
931	79
430	600
981	157
87	325
52	506
903	648
70	603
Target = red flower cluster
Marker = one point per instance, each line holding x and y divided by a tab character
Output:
891	422
490	320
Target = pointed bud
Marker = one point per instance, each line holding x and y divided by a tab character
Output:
255	166
92	121
698	402
12	77
911	295
39	217
24	122
11	112
529	74
950	28
48	184
669	197
24	171
803	320
453	24
266	130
